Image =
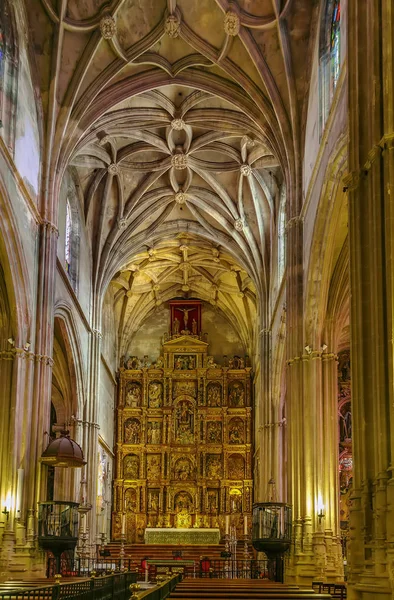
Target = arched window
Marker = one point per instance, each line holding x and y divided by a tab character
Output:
282	235
335	44
68	236
8	74
71	242
329	56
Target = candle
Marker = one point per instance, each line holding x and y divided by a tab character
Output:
246	525
227	524
123	524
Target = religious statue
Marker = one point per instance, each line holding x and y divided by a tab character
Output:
211	363
132	431
236	432
159	364
147	362
155	394
194	327
133	396
214	394
153	501
183	469
237	395
131	466
153	466
236	466
212	501
214	466
214	432
185	362
175	326
153	432
184	423
185	315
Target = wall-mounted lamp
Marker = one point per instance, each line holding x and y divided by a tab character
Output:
308	349
26	346
324	347
11	341
6	512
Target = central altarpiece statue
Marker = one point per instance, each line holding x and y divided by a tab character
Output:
183	453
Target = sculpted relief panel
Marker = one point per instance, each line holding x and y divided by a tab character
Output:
178	425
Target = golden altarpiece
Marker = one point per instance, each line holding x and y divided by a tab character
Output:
184	441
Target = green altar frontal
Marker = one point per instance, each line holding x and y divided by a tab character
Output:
170	536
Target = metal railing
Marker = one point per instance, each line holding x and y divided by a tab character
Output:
96	588
84	567
234	569
110	587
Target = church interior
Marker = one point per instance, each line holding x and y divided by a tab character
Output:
196	295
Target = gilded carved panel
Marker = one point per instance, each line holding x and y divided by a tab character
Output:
184	443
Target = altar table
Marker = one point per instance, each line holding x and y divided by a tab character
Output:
196	536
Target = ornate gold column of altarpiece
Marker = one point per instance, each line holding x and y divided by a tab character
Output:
183	453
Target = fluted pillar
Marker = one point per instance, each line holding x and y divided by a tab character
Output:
371	229
91	429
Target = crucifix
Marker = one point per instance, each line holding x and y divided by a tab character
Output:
185	315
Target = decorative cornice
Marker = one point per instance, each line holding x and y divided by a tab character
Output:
23	354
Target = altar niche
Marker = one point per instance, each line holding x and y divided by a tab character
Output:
184	447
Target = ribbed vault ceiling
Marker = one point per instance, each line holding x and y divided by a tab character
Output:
181	121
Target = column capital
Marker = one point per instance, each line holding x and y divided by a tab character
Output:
293	222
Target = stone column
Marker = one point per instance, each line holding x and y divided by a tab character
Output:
294	394
370	187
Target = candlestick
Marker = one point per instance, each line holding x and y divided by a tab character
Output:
227	521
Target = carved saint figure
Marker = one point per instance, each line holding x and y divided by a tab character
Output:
214	394
212	501
133	396
236	432
154	432
214	466
237	395
132	431
153	501
194	327
153	466
183	469
184	422
155	394
175	326
236	466
214	432
131	466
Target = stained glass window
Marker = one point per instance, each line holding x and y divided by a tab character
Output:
335	39
67	244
